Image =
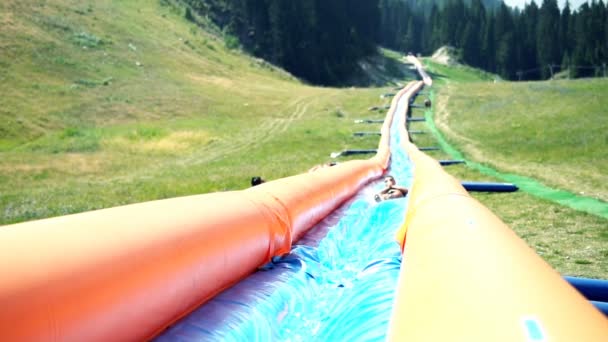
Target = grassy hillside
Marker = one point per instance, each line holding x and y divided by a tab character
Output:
550	131
113	102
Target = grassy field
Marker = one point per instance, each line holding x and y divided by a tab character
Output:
110	102
550	131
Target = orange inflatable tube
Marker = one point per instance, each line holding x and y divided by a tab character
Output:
467	277
126	273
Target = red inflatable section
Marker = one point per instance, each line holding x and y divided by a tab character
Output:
126	273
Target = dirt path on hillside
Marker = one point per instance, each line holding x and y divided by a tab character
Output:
442	117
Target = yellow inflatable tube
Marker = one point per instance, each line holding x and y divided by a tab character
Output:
467	277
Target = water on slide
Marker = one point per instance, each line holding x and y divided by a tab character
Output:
337	283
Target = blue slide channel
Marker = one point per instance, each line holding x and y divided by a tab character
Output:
337	283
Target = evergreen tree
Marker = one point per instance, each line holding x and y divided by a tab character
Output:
385	30
410	39
470	45
488	47
452	23
321	41
597	33
471	40
434	29
581	55
548	37
605	39
564	30
505	38
528	61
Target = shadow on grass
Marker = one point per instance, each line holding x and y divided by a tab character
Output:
436	75
380	71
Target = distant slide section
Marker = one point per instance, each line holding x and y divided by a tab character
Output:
428	81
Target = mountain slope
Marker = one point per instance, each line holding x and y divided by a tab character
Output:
73	64
111	102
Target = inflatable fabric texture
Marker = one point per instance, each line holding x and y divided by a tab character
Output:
126	273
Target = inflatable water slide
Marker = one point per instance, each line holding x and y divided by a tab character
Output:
310	257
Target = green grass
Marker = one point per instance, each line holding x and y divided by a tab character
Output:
552	131
106	103
532	129
443	74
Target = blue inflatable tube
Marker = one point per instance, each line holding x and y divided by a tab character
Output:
450	162
602	306
593	289
352	152
416	119
489	187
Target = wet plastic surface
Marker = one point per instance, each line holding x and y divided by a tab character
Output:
337	283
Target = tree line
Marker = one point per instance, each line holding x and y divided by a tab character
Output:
317	40
528	44
321	41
